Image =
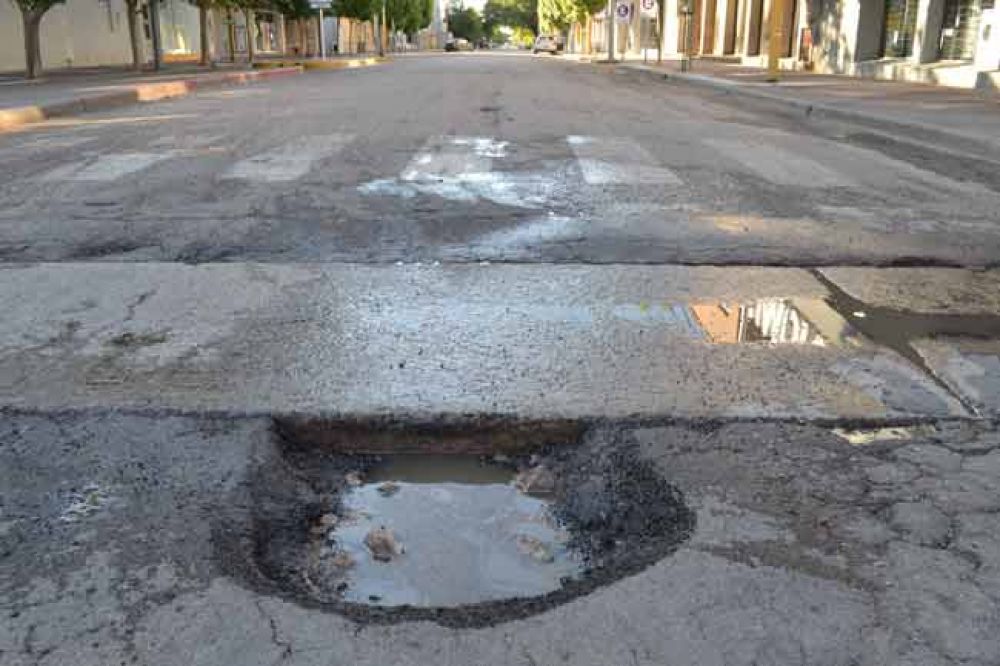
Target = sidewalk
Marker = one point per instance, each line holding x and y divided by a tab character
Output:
967	119
70	92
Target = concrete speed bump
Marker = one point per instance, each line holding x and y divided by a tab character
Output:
329	63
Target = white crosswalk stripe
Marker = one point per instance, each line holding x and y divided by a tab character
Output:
779	166
105	168
290	161
460	168
618	161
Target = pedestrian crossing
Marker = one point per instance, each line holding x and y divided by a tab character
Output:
290	161
618	161
534	174
105	168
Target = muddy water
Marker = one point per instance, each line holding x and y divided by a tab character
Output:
463	534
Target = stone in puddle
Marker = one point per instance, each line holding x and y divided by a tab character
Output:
537	480
382	544
353	479
534	548
342	560
388	489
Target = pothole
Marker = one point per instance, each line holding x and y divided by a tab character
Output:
464	539
441	531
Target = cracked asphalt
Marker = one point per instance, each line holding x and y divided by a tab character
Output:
794	323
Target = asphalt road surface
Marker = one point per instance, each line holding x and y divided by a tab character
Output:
788	327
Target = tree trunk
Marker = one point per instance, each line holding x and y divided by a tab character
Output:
249	14
203	30
132	16
32	21
231	34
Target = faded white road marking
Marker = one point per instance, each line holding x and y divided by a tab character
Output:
289	161
780	166
460	168
618	161
458	157
105	167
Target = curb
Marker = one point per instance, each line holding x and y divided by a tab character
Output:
956	141
323	64
15	117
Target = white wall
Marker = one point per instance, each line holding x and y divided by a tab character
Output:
83	33
179	27
78	33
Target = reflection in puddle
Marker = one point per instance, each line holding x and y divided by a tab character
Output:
440	531
866	436
789	321
795	321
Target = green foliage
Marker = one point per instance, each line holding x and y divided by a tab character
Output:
406	15
427	13
557	15
293	9
37	7
465	23
523	37
511	14
362	10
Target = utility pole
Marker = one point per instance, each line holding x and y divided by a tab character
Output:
322	35
776	38
382	33
661	22
688	35
154	27
611	30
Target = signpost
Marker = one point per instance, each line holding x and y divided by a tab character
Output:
321	5
623	11
647	8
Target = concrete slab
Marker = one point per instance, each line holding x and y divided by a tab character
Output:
533	341
927	290
788	563
970	366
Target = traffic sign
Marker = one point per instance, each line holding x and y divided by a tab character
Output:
648	7
623	11
320	4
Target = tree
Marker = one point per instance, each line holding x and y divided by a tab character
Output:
296	10
405	15
511	14
203	7
465	23
32	12
132	18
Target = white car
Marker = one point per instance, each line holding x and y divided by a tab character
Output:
545	43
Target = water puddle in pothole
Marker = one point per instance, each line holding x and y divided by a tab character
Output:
440	531
444	531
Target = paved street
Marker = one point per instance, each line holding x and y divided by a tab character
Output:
211	303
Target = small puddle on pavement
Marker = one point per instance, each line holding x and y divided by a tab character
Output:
440	531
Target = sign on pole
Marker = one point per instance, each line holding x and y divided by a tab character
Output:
623	11
648	7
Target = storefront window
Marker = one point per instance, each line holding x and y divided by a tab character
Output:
900	25
960	29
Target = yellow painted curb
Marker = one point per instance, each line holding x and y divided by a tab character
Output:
22	115
339	63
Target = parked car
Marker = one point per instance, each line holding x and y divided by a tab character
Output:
546	43
457	45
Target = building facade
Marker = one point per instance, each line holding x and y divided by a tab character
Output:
950	42
86	33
